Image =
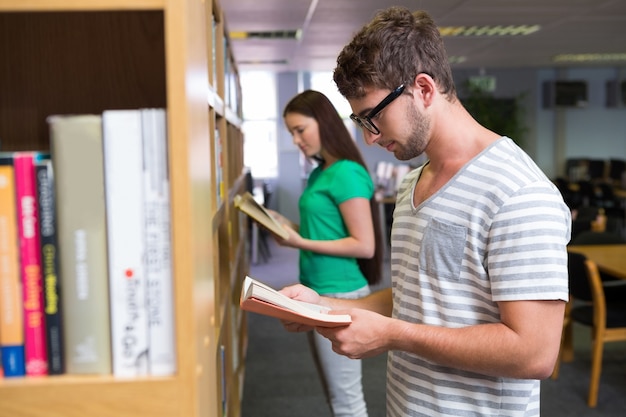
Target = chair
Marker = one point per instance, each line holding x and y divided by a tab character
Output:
586	193
589	306
597	169
617	167
571	198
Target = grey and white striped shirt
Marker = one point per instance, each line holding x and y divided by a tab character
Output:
497	231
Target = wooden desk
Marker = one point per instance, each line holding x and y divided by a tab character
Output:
609	258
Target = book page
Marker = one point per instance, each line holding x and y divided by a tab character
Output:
260	298
247	204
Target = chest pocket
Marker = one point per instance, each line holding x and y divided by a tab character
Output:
442	250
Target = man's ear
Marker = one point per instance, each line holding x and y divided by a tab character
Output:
424	86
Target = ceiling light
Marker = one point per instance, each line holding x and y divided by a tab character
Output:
499	30
590	57
263	62
456	59
269	34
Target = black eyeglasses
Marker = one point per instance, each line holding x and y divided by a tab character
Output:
366	121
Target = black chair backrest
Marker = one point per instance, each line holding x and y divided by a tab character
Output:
596	169
616	168
597	238
579	286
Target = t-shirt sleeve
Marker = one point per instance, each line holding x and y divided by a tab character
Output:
527	250
351	181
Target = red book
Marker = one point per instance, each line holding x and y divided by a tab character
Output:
35	353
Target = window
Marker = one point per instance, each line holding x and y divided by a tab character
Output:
323	82
259	126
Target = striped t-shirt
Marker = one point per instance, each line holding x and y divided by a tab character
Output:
497	231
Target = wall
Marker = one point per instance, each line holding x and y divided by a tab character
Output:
554	134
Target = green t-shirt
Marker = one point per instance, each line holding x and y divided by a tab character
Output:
320	219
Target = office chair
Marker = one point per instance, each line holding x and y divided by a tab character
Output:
616	169
596	169
589	306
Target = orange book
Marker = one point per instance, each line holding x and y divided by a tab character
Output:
11	315
257	297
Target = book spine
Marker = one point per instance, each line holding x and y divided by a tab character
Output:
123	173
28	231
77	159
219	169
50	267
157	238
11	314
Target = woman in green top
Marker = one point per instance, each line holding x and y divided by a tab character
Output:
339	235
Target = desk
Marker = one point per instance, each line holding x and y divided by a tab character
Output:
609	258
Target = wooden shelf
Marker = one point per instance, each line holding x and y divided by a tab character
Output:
89	56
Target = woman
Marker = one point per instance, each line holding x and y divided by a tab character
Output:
339	233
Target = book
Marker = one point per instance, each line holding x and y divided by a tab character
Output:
247	204
260	298
50	266
77	160
157	229
219	168
123	179
11	314
35	350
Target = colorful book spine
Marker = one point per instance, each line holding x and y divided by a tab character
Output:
11	314
50	266
157	240
77	159
35	350
123	174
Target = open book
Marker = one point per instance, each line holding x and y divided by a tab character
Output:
246	203
259	298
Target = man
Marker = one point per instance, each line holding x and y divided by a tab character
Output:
478	260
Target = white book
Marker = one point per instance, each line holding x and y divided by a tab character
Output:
123	173
162	354
260	298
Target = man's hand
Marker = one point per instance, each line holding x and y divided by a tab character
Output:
366	336
302	293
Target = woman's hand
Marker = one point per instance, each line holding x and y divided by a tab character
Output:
294	240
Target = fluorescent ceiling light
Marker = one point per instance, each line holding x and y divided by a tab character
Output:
263	62
590	57
273	34
499	30
456	59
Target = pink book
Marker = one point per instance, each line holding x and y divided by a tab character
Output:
30	269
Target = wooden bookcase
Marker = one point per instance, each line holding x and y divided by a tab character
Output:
67	56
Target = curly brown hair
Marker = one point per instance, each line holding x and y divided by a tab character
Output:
391	50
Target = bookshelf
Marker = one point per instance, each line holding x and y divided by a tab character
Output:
84	57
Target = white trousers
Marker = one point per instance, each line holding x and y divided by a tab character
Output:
341	376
